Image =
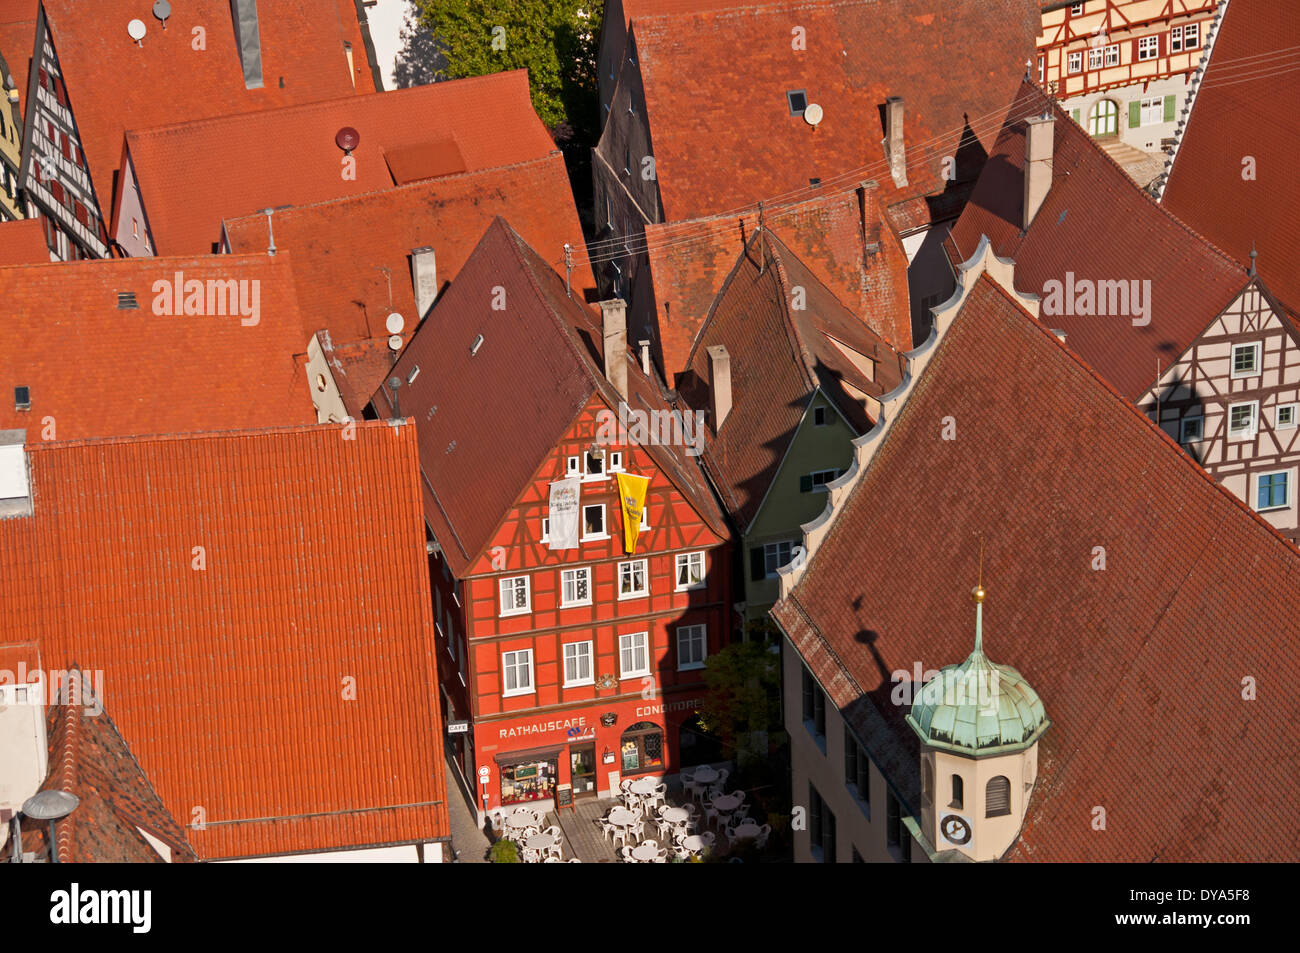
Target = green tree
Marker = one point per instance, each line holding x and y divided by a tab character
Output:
744	692
555	40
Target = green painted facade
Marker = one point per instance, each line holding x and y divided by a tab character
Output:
788	503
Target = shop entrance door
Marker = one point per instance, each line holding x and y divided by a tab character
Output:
582	768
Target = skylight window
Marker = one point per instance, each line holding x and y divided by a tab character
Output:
797	100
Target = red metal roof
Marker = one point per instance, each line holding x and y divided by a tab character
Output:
96	370
701	104
23	243
194	174
113	84
231	682
1230	123
1097	224
1138	664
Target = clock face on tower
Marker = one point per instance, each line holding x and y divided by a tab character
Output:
955	829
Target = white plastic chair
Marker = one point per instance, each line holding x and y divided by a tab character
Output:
763	831
626	854
607	829
552	860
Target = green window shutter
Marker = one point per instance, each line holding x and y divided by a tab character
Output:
1135	114
757	568
1170	102
805	483
1074	113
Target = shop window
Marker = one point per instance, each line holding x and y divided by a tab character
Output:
528	781
642	748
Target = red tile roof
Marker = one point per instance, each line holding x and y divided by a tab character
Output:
95	370
779	357
1230	121
231	683
1140	666
18	41
1097	224
540	354
89	758
340	249
700	105
831	233
113	84
194	174
23	243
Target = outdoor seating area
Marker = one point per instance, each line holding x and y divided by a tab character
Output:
538	842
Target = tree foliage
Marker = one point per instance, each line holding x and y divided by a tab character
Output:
555	40
744	691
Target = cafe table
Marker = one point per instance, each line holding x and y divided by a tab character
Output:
726	803
704	776
745	831
675	815
520	821
540	842
694	844
623	817
644	786
645	853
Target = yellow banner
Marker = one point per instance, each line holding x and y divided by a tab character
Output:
631	490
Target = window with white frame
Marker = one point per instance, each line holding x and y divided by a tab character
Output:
1095	54
593	522
691	647
1273	491
573	466
1242	419
776	555
1076	9
1284	417
1112	55
1191	36
1191	428
1176	40
514	595
1148	47
634	655
1042	68
645	518
595	468
817	480
546	529
690	571
575	587
1153	110
577	664
1245	360
633	579
517	672
615	461
1074	62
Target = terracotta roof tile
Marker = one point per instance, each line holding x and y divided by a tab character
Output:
112	82
1230	121
17	41
701	104
1137	665
194	174
23	243
1099	225
97	370
229	684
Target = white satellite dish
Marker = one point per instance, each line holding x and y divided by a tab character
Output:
136	30
395	342
812	114
395	323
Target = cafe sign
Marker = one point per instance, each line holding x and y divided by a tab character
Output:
544	727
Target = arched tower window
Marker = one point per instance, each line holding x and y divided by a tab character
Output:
956	792
997	797
927	781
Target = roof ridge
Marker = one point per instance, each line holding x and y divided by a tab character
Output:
54	446
144	263
806	362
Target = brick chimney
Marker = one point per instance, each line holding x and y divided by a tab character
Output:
719	384
248	39
895	151
424	280
613	314
1040	133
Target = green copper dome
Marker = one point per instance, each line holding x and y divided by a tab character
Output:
978	707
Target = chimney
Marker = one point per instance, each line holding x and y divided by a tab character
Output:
644	346
613	314
720	384
895	151
1040	132
248	39
424	279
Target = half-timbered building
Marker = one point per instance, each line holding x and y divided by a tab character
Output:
1123	69
564	670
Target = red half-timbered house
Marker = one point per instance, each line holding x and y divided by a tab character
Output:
563	670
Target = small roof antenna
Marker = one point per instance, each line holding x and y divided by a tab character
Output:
162	10
270	232
52	806
394	384
1253	255
136	30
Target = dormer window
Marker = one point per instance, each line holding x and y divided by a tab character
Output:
797	100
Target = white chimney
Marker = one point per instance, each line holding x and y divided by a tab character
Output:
895	151
1040	133
644	346
15	489
613	315
719	384
424	280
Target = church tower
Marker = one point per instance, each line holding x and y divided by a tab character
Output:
979	725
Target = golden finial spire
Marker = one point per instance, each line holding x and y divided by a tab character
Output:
978	592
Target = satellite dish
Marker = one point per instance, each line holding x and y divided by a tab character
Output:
136	30
812	114
395	344
50	805
162	10
347	139
395	323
